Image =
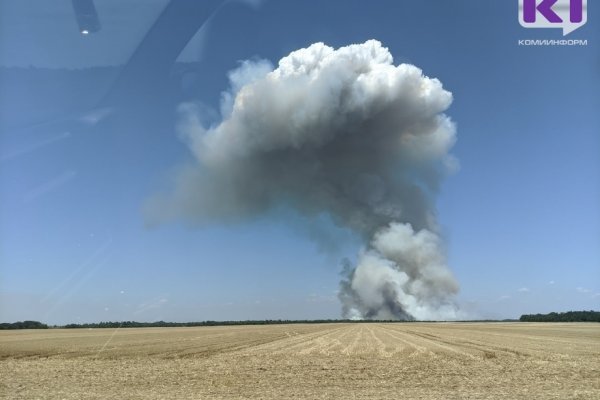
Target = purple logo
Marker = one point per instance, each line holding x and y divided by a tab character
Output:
567	15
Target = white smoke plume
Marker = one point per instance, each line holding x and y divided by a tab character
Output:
337	131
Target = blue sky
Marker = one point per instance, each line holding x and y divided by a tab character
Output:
521	218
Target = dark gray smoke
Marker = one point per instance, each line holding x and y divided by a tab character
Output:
343	132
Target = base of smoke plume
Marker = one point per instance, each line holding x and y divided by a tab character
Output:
401	275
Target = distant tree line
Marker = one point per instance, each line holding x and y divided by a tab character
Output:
23	325
569	316
161	324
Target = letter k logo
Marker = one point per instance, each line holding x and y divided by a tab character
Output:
567	15
544	7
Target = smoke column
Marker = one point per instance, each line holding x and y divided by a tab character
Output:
337	131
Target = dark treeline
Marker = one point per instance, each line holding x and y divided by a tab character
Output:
569	316
23	325
161	324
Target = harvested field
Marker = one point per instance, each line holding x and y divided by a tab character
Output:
328	361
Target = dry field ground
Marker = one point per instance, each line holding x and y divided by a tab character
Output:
328	361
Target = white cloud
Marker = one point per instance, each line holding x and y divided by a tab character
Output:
523	290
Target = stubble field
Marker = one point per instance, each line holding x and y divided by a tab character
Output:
312	361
